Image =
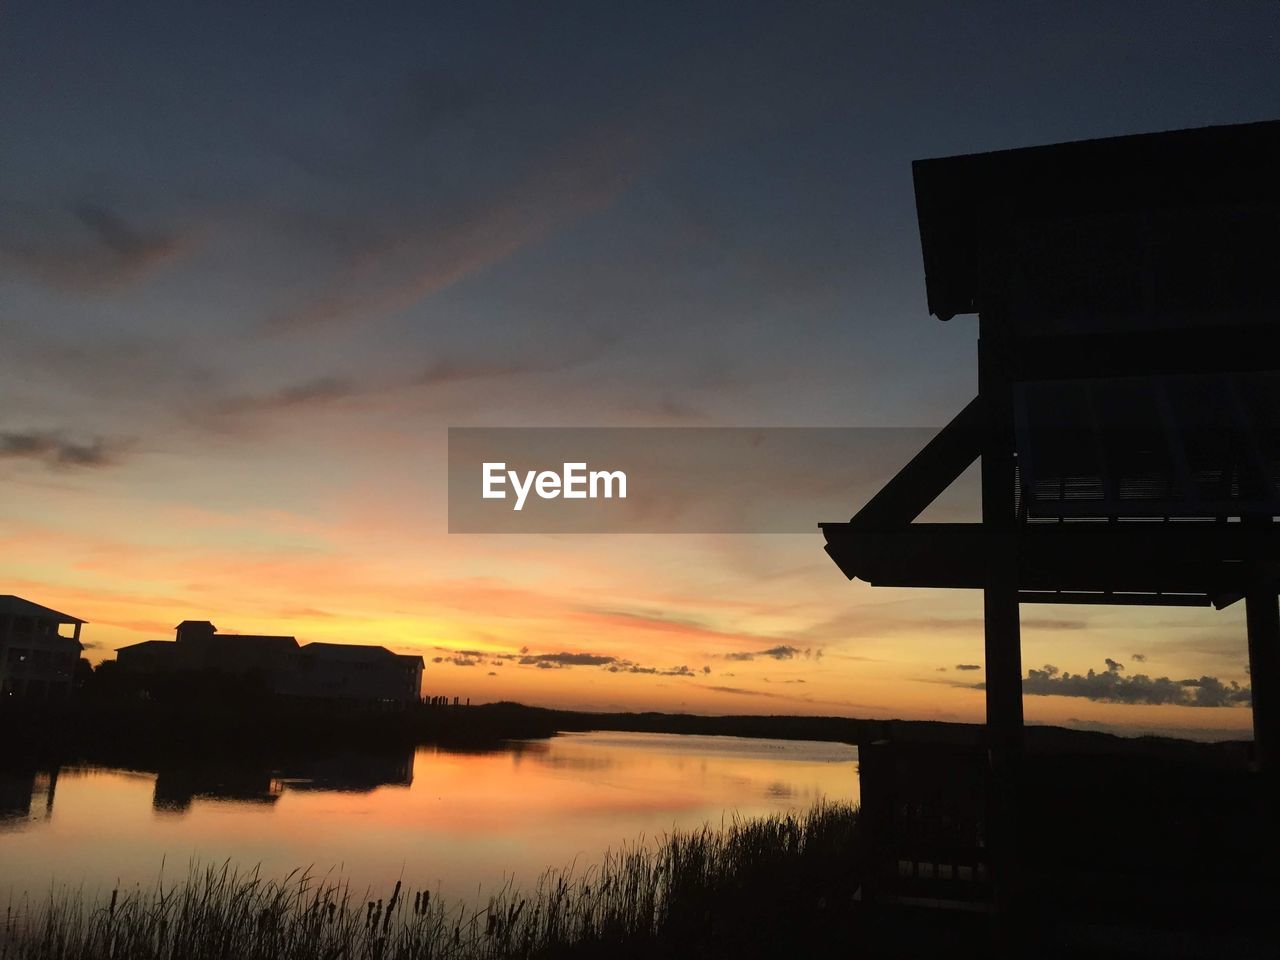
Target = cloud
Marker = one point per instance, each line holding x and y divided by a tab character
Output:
464	662
440	374
625	666
1048	623
561	660
581	174
313	392
567	660
449	371
1113	687
54	449
89	247
779	652
968	666
743	691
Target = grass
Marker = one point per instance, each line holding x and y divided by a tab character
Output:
733	891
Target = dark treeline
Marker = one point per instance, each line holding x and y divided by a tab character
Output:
115	718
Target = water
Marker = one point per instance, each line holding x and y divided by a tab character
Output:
452	822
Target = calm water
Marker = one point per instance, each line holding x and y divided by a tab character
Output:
452	822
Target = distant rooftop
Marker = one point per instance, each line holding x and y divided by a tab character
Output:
348	651
11	606
145	643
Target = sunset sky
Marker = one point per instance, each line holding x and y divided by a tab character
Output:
254	263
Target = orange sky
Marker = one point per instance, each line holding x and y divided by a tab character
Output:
245	296
710	624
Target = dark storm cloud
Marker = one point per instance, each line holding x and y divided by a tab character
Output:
1112	686
55	449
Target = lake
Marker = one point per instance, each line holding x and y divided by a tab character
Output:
454	822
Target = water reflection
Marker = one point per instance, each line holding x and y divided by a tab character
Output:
342	772
26	794
454	821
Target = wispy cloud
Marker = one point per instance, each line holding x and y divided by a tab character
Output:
780	652
89	247
567	659
743	691
55	449
443	247
564	659
316	391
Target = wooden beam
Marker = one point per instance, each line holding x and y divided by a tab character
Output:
1217	559
1262	617
1203	350
929	472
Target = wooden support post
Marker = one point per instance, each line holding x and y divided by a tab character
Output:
1001	625
1000	594
1262	617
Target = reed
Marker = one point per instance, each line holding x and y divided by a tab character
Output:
692	892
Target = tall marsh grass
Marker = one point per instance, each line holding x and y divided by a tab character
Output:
693	893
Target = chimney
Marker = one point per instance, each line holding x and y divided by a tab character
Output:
195	631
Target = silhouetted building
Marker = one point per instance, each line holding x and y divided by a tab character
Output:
341	671
198	646
351	673
39	650
1128	410
1128	428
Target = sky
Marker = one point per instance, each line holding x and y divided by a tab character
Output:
256	259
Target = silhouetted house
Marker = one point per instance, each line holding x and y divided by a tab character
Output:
198	647
39	650
349	672
352	673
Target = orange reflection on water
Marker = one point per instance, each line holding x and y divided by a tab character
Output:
453	822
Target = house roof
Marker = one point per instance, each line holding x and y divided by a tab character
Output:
243	640
1196	189
146	643
12	606
354	651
